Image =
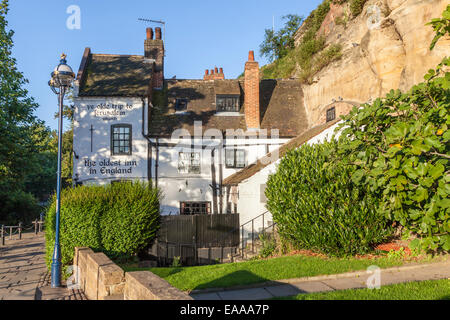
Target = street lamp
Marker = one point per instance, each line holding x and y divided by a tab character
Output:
62	78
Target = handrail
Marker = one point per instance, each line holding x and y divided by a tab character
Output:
19	228
239	228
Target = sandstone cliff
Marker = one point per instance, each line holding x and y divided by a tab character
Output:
386	47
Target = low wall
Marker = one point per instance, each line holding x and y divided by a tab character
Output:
100	278
144	285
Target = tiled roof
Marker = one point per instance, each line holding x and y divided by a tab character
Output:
116	75
281	105
254	168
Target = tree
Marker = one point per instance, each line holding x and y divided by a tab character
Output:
441	26
400	146
277	44
21	134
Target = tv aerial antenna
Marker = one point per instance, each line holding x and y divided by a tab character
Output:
156	21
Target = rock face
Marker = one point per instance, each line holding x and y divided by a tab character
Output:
386	47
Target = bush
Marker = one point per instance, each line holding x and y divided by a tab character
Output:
118	219
317	207
400	148
269	245
356	7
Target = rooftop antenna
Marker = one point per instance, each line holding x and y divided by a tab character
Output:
156	21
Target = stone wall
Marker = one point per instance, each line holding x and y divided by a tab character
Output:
101	279
144	285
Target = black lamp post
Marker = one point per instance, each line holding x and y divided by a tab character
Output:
62	78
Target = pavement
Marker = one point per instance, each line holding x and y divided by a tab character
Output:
351	280
23	273
22	265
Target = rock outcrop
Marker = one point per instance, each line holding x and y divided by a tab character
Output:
386	47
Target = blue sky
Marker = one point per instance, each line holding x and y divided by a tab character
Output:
199	35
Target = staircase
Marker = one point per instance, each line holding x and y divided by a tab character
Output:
250	245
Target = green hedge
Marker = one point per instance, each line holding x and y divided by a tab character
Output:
118	219
317	206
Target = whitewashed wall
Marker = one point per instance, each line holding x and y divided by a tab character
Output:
102	113
179	187
249	200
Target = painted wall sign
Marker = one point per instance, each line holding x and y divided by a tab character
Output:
94	119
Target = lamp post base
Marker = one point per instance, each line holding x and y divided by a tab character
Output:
56	275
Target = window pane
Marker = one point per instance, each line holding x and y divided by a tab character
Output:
229	158
121	139
240	158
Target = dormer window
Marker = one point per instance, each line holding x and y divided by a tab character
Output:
227	103
181	105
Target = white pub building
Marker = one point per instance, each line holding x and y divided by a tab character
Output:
185	136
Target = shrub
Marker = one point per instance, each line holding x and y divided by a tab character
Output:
356	7
118	219
317	207
400	148
269	245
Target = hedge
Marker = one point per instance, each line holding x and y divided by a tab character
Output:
118	219
316	205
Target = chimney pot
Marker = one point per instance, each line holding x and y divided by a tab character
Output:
149	34
206	72
251	56
212	71
158	33
216	70
221	70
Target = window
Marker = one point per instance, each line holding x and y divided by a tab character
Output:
121	139
331	114
227	103
189	162
181	105
191	208
234	158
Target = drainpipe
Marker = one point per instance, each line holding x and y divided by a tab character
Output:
150	145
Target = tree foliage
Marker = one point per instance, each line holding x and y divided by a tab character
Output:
21	134
441	26
277	44
27	146
400	147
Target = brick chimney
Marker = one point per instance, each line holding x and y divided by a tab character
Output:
154	49
251	92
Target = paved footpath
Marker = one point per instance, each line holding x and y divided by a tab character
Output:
22	266
351	280
23	273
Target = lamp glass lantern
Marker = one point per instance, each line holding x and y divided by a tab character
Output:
61	80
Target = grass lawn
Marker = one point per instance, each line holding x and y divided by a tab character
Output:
423	290
250	272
